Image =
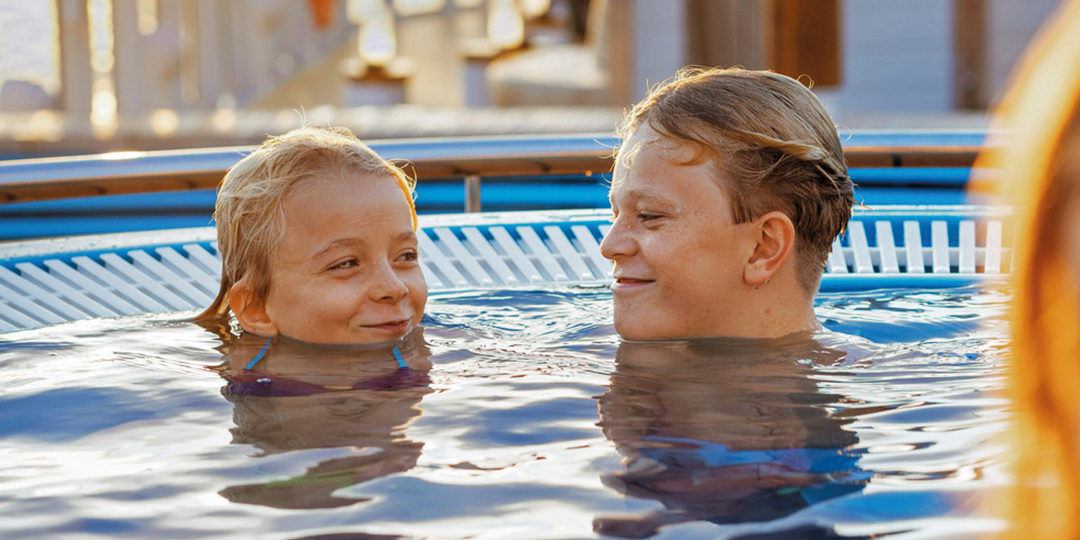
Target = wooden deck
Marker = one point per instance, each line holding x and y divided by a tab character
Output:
470	159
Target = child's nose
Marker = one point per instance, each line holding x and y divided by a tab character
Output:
387	286
617	242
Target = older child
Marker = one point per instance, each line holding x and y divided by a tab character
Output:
318	243
729	188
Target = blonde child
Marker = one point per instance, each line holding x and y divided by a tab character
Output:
317	235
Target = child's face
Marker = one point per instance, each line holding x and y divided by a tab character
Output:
678	253
346	270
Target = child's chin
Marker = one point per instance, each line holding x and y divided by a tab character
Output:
374	337
363	337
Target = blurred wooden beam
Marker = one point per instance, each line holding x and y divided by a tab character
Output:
970	75
806	40
142	172
793	37
726	33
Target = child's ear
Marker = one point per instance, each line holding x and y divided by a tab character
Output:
250	310
775	237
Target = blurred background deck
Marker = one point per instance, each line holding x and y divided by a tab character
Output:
83	76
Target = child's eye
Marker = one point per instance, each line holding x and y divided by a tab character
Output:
343	265
410	256
646	216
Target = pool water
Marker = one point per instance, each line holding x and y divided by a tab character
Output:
524	417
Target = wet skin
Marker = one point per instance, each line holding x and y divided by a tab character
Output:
678	254
347	269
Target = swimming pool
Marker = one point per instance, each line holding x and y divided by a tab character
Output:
527	417
533	421
531	418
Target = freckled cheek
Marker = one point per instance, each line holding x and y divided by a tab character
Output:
334	301
416	282
670	252
290	298
656	243
418	293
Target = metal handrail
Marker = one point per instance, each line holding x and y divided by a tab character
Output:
469	158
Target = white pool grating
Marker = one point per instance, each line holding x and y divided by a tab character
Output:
466	251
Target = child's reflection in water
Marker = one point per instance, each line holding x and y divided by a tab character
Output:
298	396
724	430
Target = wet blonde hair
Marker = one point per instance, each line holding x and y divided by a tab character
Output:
1039	167
774	140
249	209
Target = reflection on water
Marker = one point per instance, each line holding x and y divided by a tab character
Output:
724	430
301	396
520	415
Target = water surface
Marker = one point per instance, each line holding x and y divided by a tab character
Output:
528	418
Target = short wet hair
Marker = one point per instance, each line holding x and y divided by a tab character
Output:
773	139
250	202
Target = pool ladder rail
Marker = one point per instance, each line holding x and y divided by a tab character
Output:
46	282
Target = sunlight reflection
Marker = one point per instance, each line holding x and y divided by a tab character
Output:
418	7
103	105
505	27
121	156
147	16
44	125
359	11
103	110
164	122
377	37
223	120
534	8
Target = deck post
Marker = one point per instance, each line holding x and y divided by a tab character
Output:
75	73
148	68
472	193
214	62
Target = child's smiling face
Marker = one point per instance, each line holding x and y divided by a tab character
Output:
347	268
678	253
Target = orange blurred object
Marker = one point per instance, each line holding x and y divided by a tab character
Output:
322	12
